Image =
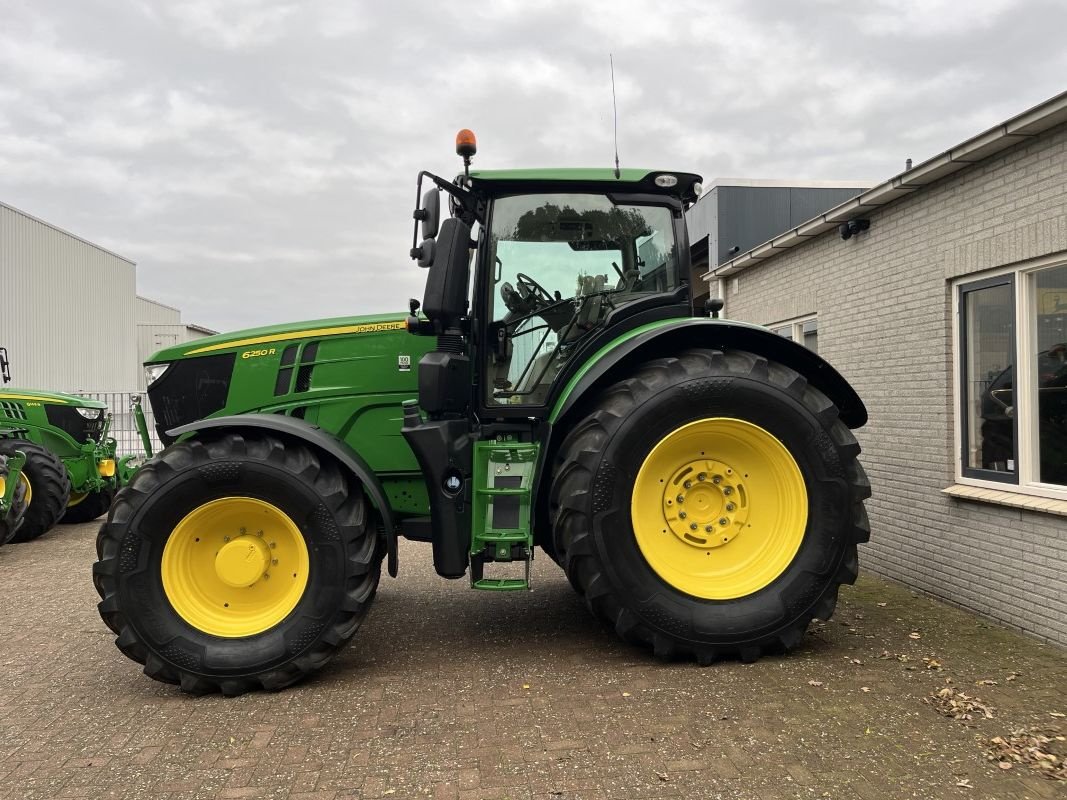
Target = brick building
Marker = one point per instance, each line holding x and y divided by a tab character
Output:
944	302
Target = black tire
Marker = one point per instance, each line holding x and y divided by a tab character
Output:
95	505
325	502
600	458
13	519
50	487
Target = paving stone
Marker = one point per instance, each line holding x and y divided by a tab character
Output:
450	694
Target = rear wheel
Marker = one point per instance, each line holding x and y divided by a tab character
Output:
87	506
238	563
47	488
710	506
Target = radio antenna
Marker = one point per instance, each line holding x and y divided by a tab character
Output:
615	115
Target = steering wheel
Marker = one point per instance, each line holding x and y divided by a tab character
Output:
526	296
530	290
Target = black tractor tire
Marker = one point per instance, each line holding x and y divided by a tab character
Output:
323	500
50	488
95	505
598	463
9	525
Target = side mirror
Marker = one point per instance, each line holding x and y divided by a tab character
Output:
429	213
5	366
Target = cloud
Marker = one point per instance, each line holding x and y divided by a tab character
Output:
258	159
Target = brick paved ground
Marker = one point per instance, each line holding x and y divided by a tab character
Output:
456	695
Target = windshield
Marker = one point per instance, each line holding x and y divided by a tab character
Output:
562	263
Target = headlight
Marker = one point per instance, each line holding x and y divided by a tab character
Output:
90	413
153	372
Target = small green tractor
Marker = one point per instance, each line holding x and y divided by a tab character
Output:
695	478
12	494
71	470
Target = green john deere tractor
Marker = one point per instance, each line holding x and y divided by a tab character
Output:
696	478
12	494
71	471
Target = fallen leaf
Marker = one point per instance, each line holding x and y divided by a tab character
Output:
881	605
663	776
815	683
625	694
1013	676
1042	749
856	661
1057	714
867	732
932	663
965	783
985	682
915	635
950	702
865	689
526	686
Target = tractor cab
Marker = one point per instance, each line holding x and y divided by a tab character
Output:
553	258
533	272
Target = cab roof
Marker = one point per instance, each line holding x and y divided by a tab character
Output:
600	178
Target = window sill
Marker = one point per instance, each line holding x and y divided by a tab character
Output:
999	497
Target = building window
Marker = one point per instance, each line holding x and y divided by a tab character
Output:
1012	379
805	331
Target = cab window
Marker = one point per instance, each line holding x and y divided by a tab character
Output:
562	263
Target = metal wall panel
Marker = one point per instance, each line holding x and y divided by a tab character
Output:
743	217
150	312
68	309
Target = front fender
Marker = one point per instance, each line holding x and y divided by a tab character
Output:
667	338
318	438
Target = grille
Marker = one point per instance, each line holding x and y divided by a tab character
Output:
305	367
12	410
307	358
190	390
80	429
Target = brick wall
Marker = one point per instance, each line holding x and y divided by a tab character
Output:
884	306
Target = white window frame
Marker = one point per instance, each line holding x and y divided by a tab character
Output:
797	325
1027	455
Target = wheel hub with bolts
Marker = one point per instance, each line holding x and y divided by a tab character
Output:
218	564
704	503
243	561
752	486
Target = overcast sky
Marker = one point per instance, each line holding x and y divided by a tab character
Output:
258	159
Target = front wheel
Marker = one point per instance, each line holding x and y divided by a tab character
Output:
87	506
237	563
47	488
710	505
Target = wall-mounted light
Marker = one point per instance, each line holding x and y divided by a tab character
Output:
852	227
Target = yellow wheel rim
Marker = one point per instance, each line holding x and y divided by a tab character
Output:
25	481
75	498
719	508
235	567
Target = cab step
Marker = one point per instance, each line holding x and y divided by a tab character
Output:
503	472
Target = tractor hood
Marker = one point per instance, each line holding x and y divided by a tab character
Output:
49	398
275	334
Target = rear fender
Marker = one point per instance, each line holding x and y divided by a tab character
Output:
313	436
675	336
